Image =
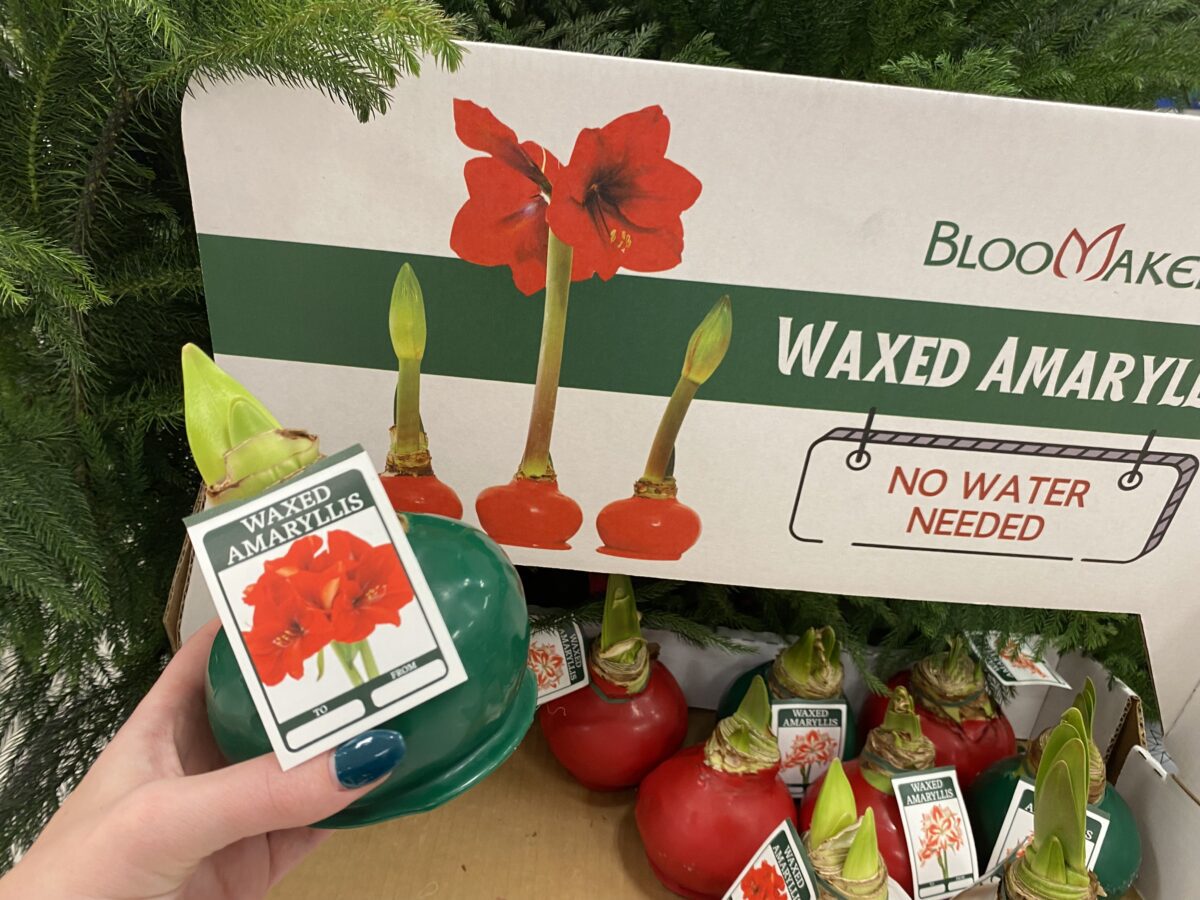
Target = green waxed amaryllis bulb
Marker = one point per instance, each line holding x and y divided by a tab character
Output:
1053	866
453	740
989	798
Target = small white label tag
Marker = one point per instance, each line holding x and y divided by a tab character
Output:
780	869
329	616
1018	826
558	660
811	735
1015	663
940	846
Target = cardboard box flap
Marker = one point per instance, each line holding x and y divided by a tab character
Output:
1182	742
1169	820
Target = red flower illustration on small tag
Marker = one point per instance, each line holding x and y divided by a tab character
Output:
1018	659
763	882
815	748
286	632
546	664
619	200
321	593
941	832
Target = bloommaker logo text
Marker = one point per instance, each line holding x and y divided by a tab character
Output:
1076	256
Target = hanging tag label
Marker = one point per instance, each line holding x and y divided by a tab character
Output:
327	611
558	660
1016	663
941	849
1018	826
780	869
1012	498
811	735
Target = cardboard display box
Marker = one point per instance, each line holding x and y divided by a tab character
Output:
961	364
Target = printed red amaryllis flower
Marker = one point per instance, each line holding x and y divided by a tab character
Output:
380	588
941	832
546	664
503	222
808	750
619	199
286	630
763	883
1017	658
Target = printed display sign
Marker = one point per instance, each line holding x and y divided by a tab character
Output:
780	869
811	735
1016	663
914	364
558	660
943	494
1018	826
938	832
331	621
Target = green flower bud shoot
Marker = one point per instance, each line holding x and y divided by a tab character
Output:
834	811
1054	866
406	325
240	449
743	743
406	316
862	860
709	343
809	668
621	654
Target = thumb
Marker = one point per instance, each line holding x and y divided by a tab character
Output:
256	796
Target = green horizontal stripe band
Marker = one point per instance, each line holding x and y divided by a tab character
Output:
322	304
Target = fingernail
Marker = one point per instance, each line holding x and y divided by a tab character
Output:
367	757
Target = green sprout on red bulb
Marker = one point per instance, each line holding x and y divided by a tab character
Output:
408	477
653	524
844	848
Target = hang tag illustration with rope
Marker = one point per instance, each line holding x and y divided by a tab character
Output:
875	488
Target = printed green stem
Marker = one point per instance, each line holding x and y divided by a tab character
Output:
706	348
368	659
535	463
345	656
407	435
941	858
669	425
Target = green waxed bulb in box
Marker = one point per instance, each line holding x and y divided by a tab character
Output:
453	740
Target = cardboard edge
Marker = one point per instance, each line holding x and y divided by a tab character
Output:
173	613
1168	815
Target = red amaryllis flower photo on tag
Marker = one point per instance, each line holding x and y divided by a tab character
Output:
619	200
763	882
286	630
319	592
381	589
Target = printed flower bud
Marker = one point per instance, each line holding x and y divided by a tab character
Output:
406	316
709	342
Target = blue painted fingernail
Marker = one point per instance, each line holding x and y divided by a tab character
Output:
367	757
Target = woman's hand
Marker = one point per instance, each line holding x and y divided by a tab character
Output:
160	815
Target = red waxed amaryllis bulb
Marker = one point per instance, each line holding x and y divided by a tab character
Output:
408	477
704	812
631	717
843	846
653	524
968	730
895	746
